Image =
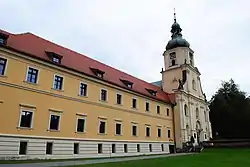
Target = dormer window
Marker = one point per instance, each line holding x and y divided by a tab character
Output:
97	72
3	38
54	57
127	83
152	92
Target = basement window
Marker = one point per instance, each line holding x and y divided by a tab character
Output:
150	147
76	148
49	148
23	148
125	148
99	148
113	148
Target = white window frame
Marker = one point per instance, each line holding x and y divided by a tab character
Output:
99	123
119	122
136	107
159	109
59	124
20	117
101	95
81	82
81	116
6	66
148	106
38	72
150	132
62	82
137	129
121	98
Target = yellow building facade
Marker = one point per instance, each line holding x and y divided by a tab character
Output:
50	111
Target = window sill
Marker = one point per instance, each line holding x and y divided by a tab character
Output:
31	83
103	134
82	96
118	104
103	101
24	128
118	135
59	90
80	132
134	136
52	130
134	108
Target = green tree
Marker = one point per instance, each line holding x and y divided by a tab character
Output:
230	112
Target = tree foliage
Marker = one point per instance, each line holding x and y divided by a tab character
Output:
230	112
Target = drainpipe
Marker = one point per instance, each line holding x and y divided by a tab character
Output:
173	119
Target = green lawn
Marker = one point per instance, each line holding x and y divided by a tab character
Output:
208	158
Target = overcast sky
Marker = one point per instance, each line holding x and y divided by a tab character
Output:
131	35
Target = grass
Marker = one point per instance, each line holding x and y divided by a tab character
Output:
208	158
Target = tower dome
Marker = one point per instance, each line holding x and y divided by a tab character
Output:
177	40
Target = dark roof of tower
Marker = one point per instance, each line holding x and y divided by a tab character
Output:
177	40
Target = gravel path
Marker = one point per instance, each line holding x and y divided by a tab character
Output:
84	162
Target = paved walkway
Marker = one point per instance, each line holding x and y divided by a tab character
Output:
85	162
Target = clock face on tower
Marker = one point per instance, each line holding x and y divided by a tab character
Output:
172	55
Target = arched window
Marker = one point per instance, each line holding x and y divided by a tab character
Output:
205	115
194	84
186	110
197	113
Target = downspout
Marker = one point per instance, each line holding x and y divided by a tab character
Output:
173	119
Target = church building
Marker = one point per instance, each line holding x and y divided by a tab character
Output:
56	103
182	77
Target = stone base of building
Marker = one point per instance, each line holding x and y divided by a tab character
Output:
64	148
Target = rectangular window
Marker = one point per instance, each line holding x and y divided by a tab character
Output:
32	75
99	148
167	111
148	131
23	148
159	132
150	147
162	147
158	110
169	133
134	103
102	127
113	148
125	148
2	41
76	148
58	82
83	89
2	65
49	148
80	125
138	147
118	128
118	99
134	130
147	106
26	119
103	95
54	122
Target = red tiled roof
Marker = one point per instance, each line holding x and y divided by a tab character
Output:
35	46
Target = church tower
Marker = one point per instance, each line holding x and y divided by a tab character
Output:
182	77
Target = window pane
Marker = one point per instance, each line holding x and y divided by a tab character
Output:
2	66
26	119
23	148
80	125
54	122
49	148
